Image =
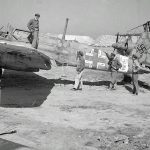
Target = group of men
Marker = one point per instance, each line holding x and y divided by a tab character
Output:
114	66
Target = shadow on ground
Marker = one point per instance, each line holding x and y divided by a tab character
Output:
89	83
9	145
144	85
23	89
101	83
128	88
65	82
141	84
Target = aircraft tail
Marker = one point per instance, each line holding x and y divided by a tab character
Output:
142	47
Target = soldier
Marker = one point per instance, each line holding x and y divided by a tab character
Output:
114	66
33	26
1	73
135	71
80	67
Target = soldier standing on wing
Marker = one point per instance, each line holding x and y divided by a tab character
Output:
33	26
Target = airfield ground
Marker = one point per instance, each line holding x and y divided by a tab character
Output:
92	119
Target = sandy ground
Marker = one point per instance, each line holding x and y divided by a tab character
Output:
48	115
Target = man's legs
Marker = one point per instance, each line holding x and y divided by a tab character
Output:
35	41
113	80
80	84
30	38
135	83
78	81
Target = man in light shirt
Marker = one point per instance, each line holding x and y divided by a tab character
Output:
80	67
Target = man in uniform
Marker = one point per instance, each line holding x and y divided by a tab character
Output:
135	70
33	26
80	67
114	66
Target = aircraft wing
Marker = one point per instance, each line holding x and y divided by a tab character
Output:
22	57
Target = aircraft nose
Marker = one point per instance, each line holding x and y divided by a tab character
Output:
47	62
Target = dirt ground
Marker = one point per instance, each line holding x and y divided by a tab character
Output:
48	115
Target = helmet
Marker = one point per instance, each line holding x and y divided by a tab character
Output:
80	53
38	15
134	56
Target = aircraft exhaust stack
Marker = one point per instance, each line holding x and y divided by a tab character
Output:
65	30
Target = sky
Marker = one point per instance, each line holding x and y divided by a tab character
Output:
86	17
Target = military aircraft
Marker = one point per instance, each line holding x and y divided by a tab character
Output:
63	54
96	58
20	56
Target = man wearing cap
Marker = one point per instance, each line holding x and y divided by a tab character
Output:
135	71
114	66
33	26
80	67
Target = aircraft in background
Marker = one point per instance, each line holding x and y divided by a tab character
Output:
96	58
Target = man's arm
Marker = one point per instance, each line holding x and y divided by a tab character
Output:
119	63
29	25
